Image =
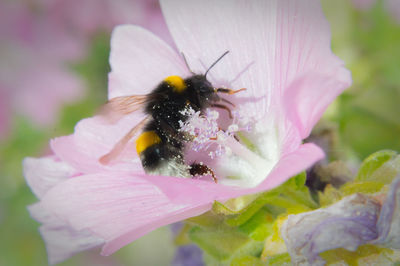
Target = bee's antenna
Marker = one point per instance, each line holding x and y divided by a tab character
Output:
186	63
216	61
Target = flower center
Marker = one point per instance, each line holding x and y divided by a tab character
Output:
234	152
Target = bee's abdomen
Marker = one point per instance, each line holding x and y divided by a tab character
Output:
155	151
146	140
158	155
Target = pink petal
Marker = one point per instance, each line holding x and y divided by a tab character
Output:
181	191
44	173
290	165
219	26
59	85
140	61
93	138
364	4
393	6
308	96
121	208
292	38
61	240
303	43
163	220
117	208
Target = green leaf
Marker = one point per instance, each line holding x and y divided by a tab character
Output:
297	182
182	237
234	206
329	196
246	260
366	187
293	195
259	226
387	171
251	209
373	162
208	219
279	260
364	255
235	232
223	244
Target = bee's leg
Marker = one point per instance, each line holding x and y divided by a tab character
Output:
223	107
225	100
229	91
201	169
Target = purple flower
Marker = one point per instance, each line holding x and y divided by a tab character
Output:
389	218
188	255
353	221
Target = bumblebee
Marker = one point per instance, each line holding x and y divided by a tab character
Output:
161	144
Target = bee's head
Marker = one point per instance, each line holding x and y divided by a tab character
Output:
202	88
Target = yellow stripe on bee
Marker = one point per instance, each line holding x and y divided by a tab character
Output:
176	82
145	140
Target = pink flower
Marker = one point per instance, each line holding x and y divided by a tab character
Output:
363	4
392	6
90	16
42	38
34	76
279	51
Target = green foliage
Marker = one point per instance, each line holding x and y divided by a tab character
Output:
247	229
279	260
234	232
373	163
367	112
375	175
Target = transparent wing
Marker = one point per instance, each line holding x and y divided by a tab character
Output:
118	107
120	146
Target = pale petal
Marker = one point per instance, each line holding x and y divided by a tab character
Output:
181	190
389	219
364	4
303	48
94	137
245	28
303	44
292	164
308	96
346	224
117	208
291	38
61	240
164	219
393	6
43	78
44	173
140	61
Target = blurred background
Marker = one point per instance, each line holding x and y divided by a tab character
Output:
53	72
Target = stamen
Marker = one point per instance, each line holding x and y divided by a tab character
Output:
207	134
